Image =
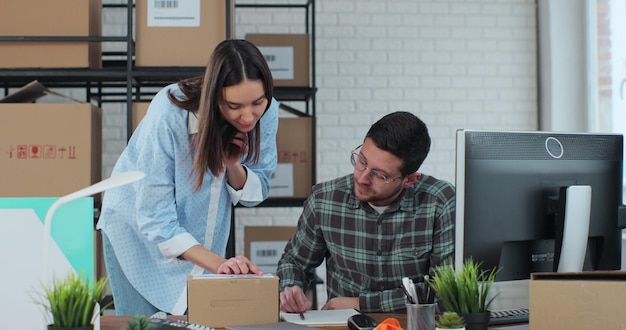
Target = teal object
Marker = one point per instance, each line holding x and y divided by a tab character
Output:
72	227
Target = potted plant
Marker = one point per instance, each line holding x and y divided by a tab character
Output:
71	301
465	291
450	320
139	322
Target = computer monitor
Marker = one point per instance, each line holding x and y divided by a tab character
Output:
511	201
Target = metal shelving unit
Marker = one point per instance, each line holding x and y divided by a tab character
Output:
304	95
118	80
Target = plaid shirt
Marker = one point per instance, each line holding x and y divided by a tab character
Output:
367	253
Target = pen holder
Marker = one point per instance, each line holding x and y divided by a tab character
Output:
420	316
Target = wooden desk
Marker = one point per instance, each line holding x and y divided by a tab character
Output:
119	322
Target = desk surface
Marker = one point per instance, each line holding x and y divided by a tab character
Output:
119	322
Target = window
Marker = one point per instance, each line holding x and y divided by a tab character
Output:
610	18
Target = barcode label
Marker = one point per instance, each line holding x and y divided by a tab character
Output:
174	13
266	253
165	4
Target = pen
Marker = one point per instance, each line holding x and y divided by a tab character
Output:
408	295
409	289
301	316
429	299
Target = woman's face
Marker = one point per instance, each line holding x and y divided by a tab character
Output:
244	104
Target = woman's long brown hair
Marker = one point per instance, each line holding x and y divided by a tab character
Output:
232	62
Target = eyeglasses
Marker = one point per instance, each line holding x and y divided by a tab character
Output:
376	177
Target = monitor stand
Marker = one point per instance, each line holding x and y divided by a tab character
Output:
572	228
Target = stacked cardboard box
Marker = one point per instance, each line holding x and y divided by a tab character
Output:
294	142
264	245
180	33
49	149
288	56
45	18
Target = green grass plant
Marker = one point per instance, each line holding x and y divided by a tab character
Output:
465	290
71	300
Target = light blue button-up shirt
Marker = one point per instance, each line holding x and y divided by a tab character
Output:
151	222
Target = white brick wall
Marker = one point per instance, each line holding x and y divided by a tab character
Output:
456	65
469	64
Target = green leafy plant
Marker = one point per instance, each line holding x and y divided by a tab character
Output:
139	322
465	290
450	320
71	300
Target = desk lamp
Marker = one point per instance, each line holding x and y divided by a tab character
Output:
112	182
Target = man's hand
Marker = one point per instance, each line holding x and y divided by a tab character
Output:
293	300
342	303
238	265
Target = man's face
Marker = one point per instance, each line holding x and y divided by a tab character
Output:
377	176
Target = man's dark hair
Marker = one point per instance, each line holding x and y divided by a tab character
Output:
405	136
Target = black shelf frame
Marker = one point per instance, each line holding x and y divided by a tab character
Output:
297	94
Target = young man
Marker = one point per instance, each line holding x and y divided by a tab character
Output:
384	222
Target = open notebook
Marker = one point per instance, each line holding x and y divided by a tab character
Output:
271	326
321	317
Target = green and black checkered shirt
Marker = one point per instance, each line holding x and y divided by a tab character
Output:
367	253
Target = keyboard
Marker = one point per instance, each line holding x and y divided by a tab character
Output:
509	316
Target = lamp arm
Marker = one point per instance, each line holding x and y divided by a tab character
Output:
112	182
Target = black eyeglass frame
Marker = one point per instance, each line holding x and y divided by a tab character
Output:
354	156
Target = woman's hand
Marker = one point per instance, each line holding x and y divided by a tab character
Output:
238	265
237	174
237	148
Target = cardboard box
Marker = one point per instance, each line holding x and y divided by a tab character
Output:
45	18
139	109
264	245
49	150
201	24
586	300
288	56
294	144
222	300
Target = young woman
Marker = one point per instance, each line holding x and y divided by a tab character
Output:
206	143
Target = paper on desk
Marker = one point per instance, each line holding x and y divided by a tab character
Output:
321	317
270	326
222	276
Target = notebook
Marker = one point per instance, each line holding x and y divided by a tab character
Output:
321	317
270	326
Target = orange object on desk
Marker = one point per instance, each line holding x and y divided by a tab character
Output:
389	323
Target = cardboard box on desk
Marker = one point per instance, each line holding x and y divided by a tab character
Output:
49	149
293	175
288	56
587	300
164	34
223	300
45	18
